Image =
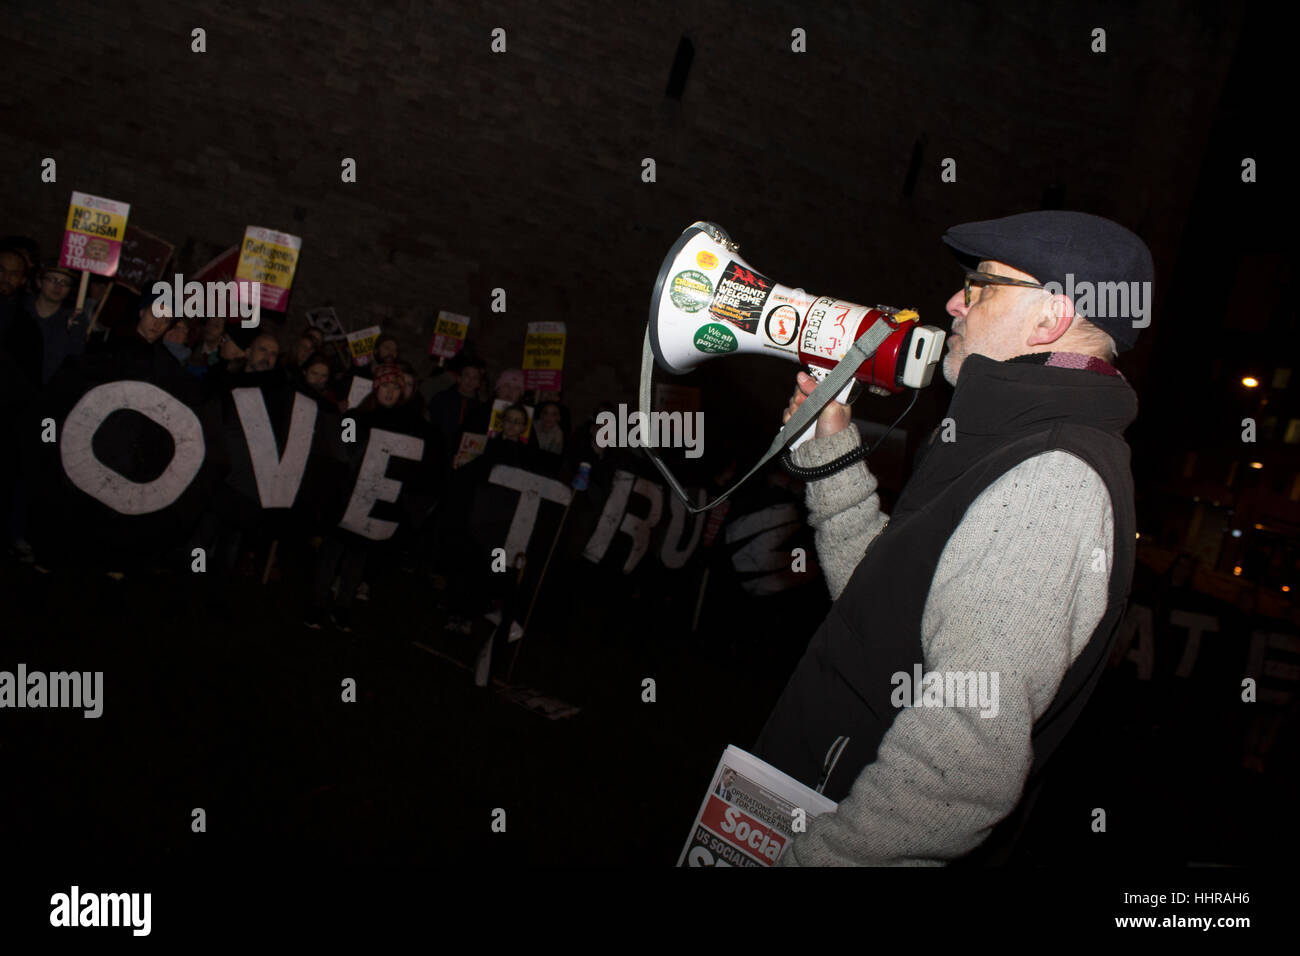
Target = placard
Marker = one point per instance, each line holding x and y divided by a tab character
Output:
271	258
496	424
449	332
544	356
326	321
143	260
362	344
359	389
92	240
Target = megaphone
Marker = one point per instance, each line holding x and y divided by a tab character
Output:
709	302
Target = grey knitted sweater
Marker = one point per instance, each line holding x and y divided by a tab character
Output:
1018	591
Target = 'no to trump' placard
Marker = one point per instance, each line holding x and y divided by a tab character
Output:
93	237
544	355
269	257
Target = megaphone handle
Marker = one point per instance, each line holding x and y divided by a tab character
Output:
819	374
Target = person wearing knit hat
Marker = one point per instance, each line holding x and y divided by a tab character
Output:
458	408
1008	554
389	385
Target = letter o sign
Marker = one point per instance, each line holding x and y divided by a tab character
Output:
111	487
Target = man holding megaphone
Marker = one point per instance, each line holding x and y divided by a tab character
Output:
971	624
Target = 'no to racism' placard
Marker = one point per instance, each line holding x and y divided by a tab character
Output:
93	238
544	355
449	331
269	257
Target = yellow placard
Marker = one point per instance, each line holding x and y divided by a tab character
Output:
271	258
451	328
544	351
496	425
106	223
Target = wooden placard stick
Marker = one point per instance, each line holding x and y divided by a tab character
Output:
81	292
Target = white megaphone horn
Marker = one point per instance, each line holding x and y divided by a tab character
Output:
708	302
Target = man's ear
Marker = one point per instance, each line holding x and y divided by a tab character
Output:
1054	320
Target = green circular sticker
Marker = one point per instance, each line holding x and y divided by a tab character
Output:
715	338
691	290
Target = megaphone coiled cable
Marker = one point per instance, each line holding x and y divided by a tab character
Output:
846	459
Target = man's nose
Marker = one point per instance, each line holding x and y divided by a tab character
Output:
956	306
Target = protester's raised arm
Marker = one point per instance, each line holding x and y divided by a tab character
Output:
843	508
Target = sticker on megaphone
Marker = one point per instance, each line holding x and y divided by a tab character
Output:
709	301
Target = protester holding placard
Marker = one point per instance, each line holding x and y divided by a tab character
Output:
459	409
140	346
386	415
62	329
508	446
72	530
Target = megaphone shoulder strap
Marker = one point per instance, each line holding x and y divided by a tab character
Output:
804	415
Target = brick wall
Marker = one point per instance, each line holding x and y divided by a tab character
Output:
522	170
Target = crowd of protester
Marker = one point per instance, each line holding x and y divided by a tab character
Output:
48	345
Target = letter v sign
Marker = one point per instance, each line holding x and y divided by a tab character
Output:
277	478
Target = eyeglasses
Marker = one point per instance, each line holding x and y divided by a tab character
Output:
58	280
988	278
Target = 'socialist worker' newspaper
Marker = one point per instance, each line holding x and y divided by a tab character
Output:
750	814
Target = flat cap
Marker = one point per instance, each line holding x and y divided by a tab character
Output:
1104	268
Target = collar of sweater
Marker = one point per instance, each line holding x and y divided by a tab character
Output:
1031	392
